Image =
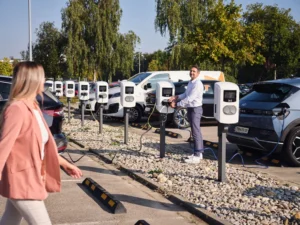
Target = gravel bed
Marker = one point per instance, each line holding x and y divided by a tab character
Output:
247	197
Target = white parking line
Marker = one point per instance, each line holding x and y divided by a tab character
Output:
90	223
71	180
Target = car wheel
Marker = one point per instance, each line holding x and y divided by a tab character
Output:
135	114
291	148
180	118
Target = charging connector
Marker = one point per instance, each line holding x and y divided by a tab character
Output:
165	103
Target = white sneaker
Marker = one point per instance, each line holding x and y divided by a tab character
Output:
191	156
194	159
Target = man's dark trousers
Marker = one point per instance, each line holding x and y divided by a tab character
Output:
194	116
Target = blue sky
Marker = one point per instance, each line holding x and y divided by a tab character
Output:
138	15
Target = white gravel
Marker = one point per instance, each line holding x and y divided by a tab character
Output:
247	197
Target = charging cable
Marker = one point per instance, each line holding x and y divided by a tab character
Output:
141	142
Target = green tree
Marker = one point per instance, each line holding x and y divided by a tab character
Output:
6	67
48	49
153	65
177	17
217	39
223	38
94	44
281	44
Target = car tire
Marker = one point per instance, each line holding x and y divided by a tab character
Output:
135	114
180	119
291	148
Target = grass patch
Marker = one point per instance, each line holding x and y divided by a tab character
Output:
157	171
115	143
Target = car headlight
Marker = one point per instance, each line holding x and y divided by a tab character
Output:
115	95
229	110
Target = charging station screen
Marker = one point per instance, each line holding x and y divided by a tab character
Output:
102	88
70	86
58	85
129	90
167	92
229	96
84	87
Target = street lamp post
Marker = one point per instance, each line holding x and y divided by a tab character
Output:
139	59
139	62
29	26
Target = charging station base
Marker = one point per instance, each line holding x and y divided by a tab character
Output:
162	120
222	130
126	120
82	112
101	118
69	117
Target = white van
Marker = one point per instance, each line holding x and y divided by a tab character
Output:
145	83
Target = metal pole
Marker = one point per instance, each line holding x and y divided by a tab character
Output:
100	119
29	25
139	62
126	125
69	118
162	119
82	113
222	129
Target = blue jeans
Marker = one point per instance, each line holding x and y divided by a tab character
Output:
194	116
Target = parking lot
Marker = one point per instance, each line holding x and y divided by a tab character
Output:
75	205
274	166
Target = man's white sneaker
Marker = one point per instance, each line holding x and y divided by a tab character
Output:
191	156
194	159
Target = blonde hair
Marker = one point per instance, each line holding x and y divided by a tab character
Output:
27	80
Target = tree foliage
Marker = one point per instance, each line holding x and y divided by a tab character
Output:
94	44
177	17
217	35
48	49
281	38
6	67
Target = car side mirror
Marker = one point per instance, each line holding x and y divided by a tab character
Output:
145	87
149	85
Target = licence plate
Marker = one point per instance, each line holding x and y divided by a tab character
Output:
241	130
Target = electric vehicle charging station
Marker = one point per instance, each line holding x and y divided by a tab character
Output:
58	88
84	95
102	99
51	84
128	101
69	93
226	111
164	90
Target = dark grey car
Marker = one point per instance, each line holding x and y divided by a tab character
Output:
270	120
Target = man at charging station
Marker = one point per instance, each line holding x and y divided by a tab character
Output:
192	100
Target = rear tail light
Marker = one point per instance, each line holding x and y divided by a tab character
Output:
55	112
62	148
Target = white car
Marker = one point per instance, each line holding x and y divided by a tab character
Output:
145	83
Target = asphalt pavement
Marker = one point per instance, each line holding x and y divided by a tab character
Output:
74	205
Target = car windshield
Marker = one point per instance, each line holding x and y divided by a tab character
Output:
269	92
139	77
